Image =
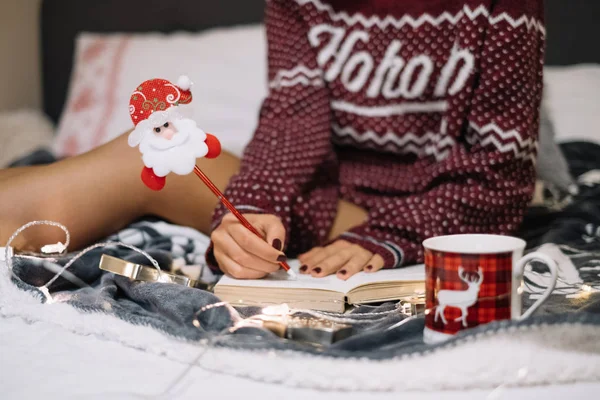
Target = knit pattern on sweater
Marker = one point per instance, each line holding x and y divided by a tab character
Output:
425	113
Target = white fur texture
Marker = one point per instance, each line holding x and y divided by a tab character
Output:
178	154
156	119
184	82
552	354
22	132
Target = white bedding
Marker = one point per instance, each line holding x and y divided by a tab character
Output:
45	361
54	351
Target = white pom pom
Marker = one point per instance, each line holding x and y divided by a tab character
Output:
184	82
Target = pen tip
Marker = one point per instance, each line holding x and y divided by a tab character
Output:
292	275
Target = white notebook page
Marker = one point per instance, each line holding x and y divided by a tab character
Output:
280	279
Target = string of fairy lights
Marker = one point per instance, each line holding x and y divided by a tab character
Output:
282	311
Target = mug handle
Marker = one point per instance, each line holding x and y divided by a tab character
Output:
518	273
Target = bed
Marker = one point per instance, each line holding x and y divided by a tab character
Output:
70	354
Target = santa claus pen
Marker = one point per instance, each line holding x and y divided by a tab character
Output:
171	143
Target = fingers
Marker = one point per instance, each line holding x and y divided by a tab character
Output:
304	268
305	256
227	246
356	263
242	254
343	258
333	262
374	264
253	244
235	270
314	259
271	226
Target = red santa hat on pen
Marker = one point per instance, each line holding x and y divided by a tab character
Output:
155	102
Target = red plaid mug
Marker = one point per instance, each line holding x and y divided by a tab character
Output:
474	279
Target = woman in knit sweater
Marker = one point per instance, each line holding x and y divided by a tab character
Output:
386	123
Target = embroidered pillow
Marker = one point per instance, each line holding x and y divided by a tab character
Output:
227	66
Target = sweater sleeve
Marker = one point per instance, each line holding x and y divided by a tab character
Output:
292	141
487	180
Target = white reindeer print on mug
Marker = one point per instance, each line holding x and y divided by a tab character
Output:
462	299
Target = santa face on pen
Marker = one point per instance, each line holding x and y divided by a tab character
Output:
173	147
168	141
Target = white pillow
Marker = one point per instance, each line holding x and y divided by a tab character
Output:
228	68
572	98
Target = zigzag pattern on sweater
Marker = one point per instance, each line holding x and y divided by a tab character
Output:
382	23
300	74
503	141
437	144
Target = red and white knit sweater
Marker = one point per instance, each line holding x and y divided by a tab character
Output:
424	112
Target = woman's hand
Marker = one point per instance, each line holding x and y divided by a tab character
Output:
341	257
243	255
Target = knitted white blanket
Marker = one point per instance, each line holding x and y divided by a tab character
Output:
550	354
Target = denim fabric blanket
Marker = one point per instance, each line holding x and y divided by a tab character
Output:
570	234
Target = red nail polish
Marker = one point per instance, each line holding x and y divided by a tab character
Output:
369	267
303	268
277	244
317	270
281	258
343	271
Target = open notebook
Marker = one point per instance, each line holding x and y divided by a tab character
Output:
326	294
